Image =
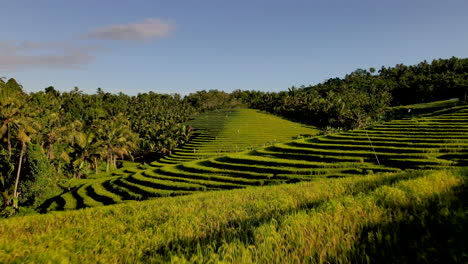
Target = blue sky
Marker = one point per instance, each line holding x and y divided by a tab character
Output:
185	46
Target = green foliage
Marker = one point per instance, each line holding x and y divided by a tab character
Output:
40	181
439	80
17	128
6	181
361	97
212	100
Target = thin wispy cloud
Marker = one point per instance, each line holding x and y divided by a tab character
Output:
14	46
14	62
148	29
18	55
31	54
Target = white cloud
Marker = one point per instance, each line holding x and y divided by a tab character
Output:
16	55
13	62
148	29
29	54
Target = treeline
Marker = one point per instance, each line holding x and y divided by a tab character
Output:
47	136
363	96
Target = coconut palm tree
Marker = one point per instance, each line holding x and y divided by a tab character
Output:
84	148
16	124
116	139
24	131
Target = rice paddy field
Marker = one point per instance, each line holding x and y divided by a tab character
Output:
217	133
247	191
235	130
438	140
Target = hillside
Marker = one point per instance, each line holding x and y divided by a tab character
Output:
436	140
234	130
216	133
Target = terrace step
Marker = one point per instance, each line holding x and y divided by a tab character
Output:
218	181
99	193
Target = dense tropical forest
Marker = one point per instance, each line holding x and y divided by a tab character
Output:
49	137
362	97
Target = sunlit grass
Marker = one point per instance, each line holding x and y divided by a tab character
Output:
357	219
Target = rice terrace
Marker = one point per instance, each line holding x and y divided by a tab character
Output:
244	185
180	141
393	147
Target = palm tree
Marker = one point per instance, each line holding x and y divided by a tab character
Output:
83	148
24	138
12	104
10	110
116	138
16	122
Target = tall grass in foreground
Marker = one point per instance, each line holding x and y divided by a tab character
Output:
392	218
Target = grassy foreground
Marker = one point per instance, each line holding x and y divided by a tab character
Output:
395	218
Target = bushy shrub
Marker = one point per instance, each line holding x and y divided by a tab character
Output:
39	179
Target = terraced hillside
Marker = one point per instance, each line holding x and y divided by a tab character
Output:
436	140
234	130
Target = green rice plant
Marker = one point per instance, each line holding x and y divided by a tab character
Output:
282	169
415	163
116	186
236	130
367	227
140	191
284	154
125	232
70	201
252	159
209	184
428	142
391	142
354	137
88	201
384	218
363	147
221	181
99	193
205	168
164	184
